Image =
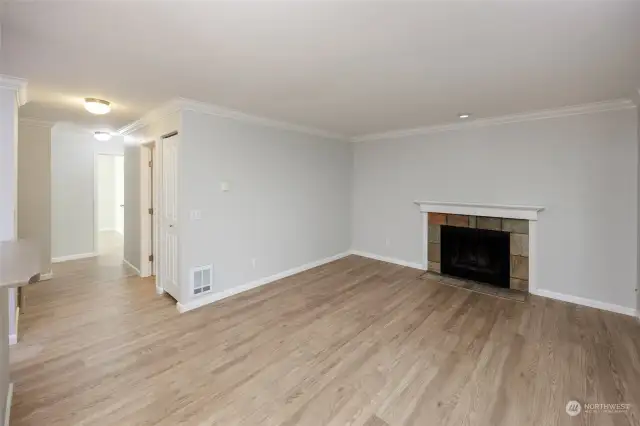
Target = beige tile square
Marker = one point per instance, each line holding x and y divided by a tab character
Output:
459	220
434	234
438	218
434	267
490	223
518	284
519	267
519	226
519	244
434	252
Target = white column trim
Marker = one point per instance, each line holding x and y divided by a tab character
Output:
533	256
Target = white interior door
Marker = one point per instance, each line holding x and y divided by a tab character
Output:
169	217
119	193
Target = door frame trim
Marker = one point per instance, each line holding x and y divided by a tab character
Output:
149	223
145	224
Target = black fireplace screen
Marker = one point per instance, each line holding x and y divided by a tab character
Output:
475	254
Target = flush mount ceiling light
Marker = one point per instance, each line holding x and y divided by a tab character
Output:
102	136
464	115
97	106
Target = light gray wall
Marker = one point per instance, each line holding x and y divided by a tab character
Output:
73	152
8	172
583	169
106	192
289	202
72	156
132	205
34	187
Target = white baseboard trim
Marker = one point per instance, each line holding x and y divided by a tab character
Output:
387	259
8	402
214	297
73	257
585	302
13	339
46	276
126	262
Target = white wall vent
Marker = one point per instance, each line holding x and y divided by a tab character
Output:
202	279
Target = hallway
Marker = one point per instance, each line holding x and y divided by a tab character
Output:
110	246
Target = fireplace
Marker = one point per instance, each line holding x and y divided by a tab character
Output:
475	254
492	250
519	222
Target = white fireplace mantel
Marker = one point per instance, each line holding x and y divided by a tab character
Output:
481	209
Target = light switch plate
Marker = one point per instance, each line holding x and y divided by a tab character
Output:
224	186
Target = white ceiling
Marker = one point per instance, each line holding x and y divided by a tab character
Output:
347	67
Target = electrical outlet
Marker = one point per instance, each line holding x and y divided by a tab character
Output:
253	263
388	241
195	214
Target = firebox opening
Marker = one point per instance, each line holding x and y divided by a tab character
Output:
476	254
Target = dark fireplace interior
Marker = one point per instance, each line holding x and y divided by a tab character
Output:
475	254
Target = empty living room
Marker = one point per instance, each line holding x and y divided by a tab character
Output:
373	213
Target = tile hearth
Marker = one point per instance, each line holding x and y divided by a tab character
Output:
504	293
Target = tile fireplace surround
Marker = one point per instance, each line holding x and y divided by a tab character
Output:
519	221
518	230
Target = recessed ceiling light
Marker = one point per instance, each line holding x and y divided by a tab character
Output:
464	115
102	136
97	106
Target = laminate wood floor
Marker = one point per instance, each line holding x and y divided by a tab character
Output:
356	342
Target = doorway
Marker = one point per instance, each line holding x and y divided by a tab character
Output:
159	220
110	206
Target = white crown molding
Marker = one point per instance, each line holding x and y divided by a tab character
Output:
614	105
205	108
153	115
36	122
17	84
182	104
